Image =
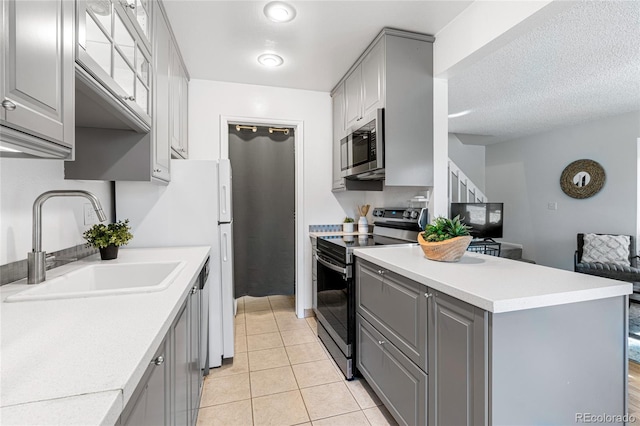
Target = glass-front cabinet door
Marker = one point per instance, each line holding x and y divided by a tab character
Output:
139	12
113	52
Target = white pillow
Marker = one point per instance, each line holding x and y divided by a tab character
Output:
606	249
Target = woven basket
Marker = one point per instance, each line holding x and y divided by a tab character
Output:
445	251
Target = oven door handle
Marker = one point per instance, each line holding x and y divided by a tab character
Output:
346	272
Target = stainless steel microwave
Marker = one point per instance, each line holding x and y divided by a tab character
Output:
362	151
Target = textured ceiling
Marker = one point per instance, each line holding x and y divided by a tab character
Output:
582	64
220	40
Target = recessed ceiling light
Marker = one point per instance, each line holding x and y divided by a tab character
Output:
279	11
270	60
459	114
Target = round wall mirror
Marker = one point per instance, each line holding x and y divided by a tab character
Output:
582	179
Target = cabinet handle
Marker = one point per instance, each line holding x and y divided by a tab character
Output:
8	105
157	170
129	5
129	98
428	295
194	289
381	342
158	361
381	272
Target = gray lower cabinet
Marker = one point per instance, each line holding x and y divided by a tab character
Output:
458	362
37	108
180	367
195	375
169	391
149	404
399	383
186	375
423	352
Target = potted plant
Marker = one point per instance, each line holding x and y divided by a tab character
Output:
347	224
445	240
108	238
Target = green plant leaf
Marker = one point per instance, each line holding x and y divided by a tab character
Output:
101	235
442	229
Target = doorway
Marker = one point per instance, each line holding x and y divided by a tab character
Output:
264	183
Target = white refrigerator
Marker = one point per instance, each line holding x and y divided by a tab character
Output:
194	209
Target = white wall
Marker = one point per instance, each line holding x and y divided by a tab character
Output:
525	174
209	100
470	159
21	181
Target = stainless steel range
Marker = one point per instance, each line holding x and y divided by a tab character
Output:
336	292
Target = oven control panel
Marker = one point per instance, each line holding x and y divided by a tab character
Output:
401	214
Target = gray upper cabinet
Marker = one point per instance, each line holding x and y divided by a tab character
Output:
139	13
373	79
353	98
105	149
111	51
364	87
338	133
162	54
395	73
179	104
37	114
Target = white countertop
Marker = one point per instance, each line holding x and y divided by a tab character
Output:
332	233
493	283
81	359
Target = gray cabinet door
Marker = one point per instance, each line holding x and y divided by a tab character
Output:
396	306
37	87
162	46
373	79
458	363
180	367
149	403
400	384
178	104
338	134
194	353
184	113
353	98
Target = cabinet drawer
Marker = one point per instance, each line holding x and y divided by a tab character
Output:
396	306
400	384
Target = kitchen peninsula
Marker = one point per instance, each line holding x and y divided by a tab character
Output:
489	340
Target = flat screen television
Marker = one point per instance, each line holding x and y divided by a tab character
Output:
485	219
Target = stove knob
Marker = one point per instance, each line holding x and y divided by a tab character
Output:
406	214
414	214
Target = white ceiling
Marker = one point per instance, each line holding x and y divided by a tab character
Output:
221	40
580	65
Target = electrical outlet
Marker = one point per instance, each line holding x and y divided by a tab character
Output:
90	217
552	206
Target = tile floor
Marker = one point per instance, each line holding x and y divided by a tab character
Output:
282	375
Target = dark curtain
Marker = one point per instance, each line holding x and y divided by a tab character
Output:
263	176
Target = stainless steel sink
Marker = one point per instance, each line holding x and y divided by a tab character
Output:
104	280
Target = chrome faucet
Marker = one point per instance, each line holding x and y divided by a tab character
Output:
36	259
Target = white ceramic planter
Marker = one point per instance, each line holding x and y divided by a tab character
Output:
347	227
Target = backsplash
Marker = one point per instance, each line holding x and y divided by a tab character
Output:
15	271
325	228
